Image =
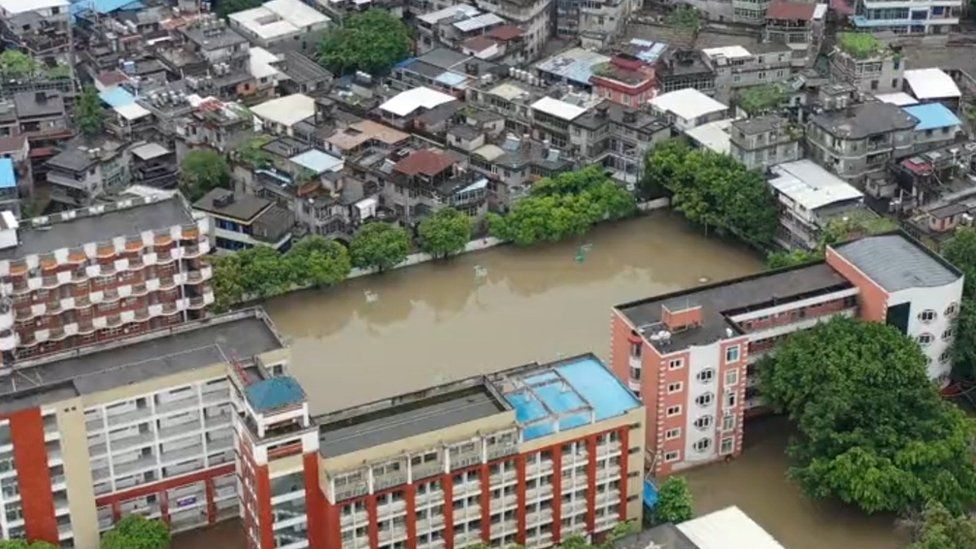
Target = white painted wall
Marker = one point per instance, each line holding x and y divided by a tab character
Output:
937	299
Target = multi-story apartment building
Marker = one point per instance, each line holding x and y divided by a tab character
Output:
617	137
142	426
626	80
736	67
867	64
198	423
39	26
528	455
85	170
760	142
859	141
101	273
684	68
798	25
534	17
907	17
691	354
242	222
281	25
809	197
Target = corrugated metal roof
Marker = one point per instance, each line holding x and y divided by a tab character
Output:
896	263
933	116
729	528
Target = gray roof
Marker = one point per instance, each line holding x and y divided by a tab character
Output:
46	103
760	124
407	419
643	121
215	40
301	69
165	352
244	207
897	263
99	227
72	158
719	299
663	536
865	120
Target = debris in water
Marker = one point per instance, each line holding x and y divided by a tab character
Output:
371	296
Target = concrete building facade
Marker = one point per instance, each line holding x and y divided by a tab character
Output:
691	355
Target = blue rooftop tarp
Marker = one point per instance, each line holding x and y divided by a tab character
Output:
105	6
932	116
7	178
589	379
650	494
274	393
116	97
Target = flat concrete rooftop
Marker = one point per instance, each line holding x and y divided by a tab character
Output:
406	419
166	352
753	291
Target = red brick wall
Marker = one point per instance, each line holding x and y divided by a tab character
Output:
676	320
873	299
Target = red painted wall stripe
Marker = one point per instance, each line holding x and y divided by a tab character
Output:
314	502
485	504
156	487
374	523
624	463
521	502
447	484
331	526
33	475
211	504
591	484
557	492
164	505
410	496
265	516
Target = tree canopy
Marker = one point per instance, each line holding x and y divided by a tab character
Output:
23	544
201	171
780	259
89	114
937	528
444	233
17	65
960	250
371	41
715	191
379	245
872	430
262	272
674	503
137	532
563	206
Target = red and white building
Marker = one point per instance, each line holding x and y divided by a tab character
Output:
625	80
690	354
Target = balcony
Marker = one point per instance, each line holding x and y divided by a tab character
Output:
144	462
115	420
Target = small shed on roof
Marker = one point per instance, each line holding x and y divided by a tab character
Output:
274	393
931	83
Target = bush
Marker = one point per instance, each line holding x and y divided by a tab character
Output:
201	171
674	503
137	532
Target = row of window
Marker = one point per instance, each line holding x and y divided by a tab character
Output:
928	315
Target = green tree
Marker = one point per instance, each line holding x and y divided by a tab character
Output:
201	171
317	261
872	429
939	529
137	532
574	541
780	259
17	65
674	503
89	115
22	544
371	41
444	233
227	7
715	191
960	250
252	153
563	206
379	245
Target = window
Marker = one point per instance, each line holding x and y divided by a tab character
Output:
635	373
702	444
947	335
672	434
728	423
732	354
673	411
952	309
927	315
674	387
925	339
731	377
730	400
706	375
676	363
670	457
946	356
635	349
705	399
703	422
727	445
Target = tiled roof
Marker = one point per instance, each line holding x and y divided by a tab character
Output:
427	162
800	11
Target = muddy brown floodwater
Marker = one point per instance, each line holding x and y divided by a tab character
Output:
441	321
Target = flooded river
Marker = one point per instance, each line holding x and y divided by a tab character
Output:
442	321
